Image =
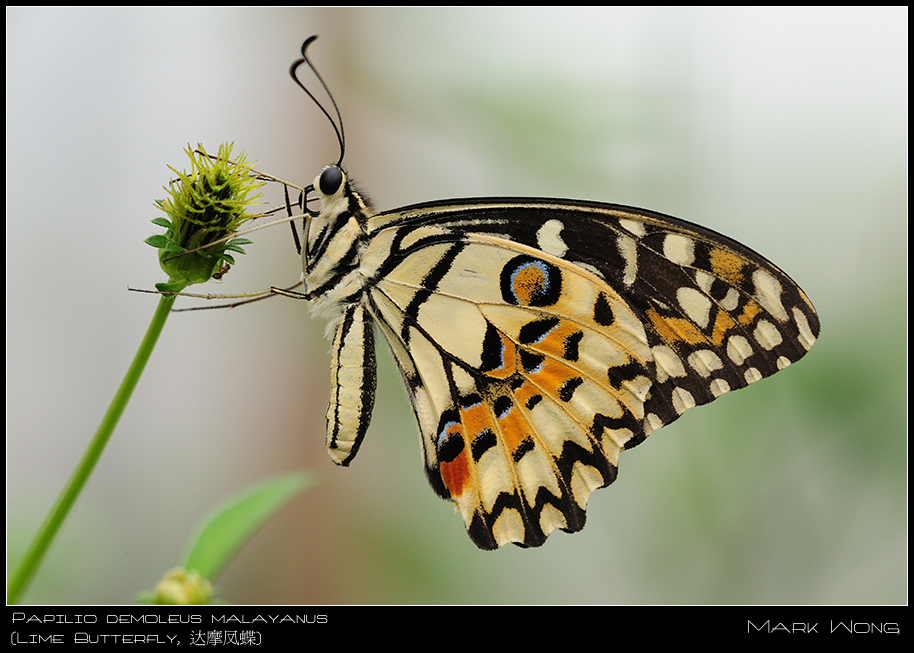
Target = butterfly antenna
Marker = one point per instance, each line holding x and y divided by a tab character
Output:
340	133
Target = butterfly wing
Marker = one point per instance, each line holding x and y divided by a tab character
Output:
539	338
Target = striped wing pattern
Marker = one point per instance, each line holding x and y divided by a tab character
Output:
539	338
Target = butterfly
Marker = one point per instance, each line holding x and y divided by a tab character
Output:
537	338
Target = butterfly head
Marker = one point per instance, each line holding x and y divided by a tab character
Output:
330	181
330	186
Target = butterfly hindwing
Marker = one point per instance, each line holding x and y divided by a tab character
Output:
518	426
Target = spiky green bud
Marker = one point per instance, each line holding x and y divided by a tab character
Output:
181	587
206	205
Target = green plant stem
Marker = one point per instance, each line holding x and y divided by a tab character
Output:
36	551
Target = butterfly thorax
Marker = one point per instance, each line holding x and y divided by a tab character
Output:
336	240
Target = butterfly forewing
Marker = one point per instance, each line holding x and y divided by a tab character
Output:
539	338
716	315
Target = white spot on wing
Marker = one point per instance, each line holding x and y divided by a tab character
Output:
738	349
719	387
730	300
752	375
551	519
767	335
679	249
768	293
628	249
633	226
509	527
652	422
549	238
682	400
705	362
584	480
806	337
696	305
667	363
704	280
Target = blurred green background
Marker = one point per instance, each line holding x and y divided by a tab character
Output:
786	129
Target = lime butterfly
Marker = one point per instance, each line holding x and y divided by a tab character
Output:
536	338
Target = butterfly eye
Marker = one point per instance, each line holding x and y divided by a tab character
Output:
331	180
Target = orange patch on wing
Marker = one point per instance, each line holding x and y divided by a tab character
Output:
722	324
456	473
513	428
525	392
674	329
727	265
551	376
749	312
528	282
476	419
554	342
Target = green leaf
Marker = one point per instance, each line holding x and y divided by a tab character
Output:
162	222
172	248
158	241
171	286
233	523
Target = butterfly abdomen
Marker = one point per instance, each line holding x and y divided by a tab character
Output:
352	383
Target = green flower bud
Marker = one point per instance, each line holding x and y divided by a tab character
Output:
207	205
182	587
